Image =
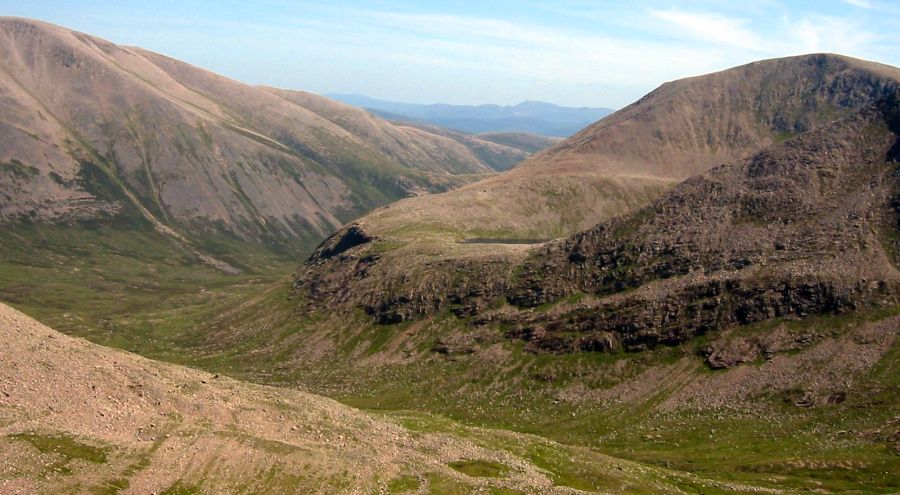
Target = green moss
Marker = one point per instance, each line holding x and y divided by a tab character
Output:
440	485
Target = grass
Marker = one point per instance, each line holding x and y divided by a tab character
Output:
519	393
67	448
440	485
181	489
480	468
123	287
403	484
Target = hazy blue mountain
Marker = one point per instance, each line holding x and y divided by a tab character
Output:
529	116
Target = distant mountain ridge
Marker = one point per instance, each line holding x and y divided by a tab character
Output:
546	119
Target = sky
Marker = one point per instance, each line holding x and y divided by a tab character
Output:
577	53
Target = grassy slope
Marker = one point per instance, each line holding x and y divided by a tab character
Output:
125	286
131	289
508	389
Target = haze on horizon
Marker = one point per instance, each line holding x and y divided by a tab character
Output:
576	52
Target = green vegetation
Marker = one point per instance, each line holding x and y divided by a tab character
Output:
68	449
480	468
403	484
123	287
440	485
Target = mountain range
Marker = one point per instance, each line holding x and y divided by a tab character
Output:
535	117
699	293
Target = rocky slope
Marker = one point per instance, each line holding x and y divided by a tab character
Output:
804	227
91	131
79	418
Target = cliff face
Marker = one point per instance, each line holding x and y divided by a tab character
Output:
805	227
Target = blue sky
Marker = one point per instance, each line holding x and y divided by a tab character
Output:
578	52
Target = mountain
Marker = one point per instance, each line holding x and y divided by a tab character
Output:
743	322
96	133
624	161
687	126
533	117
80	418
398	139
804	227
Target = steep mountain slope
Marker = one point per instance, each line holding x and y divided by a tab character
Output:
622	162
534	117
79	418
93	131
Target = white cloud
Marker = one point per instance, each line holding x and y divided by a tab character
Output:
711	28
829	34
863	4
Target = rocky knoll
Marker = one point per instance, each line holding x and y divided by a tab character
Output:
801	228
808	226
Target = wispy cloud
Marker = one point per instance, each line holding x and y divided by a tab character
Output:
786	36
467	51
863	4
711	28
